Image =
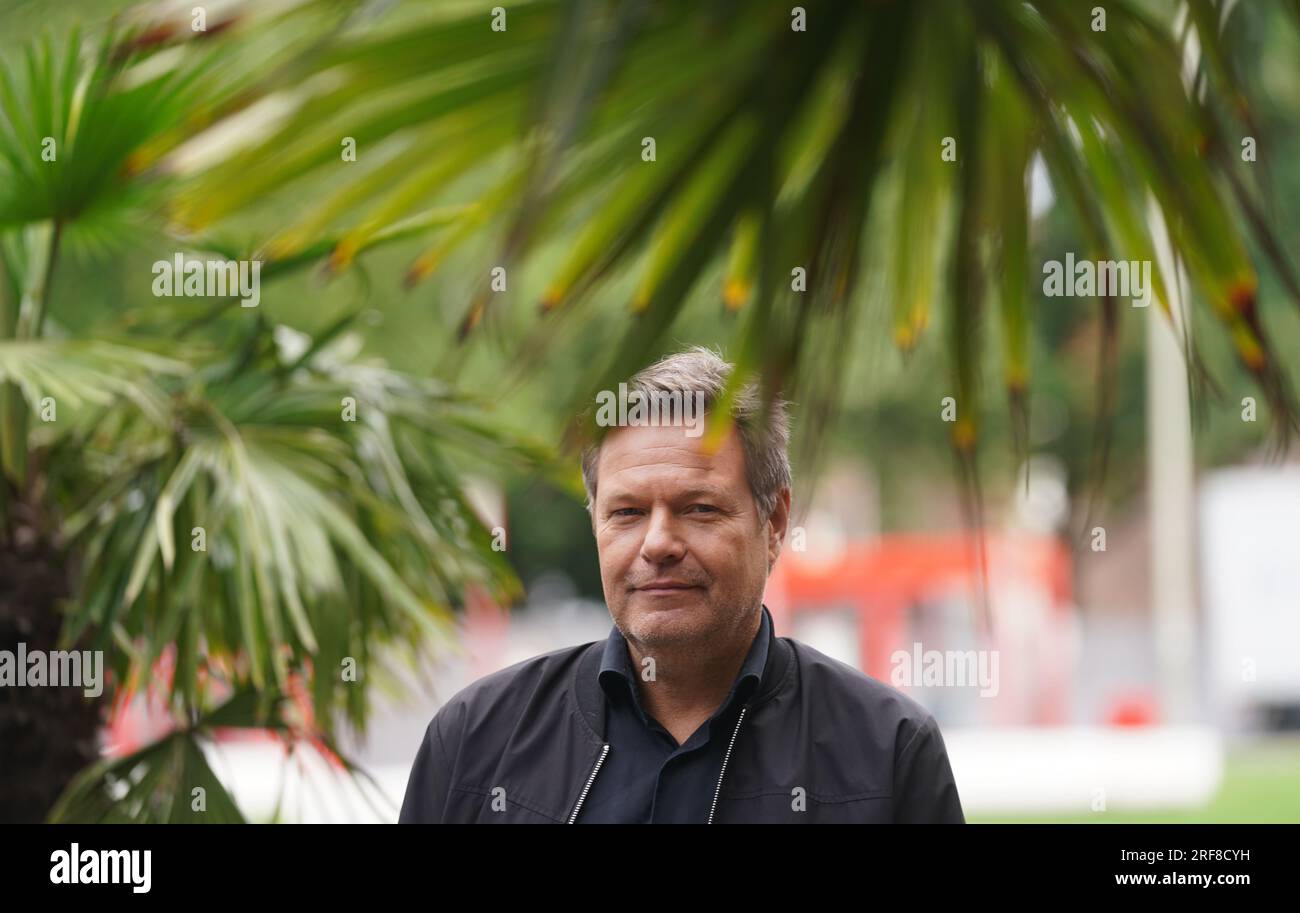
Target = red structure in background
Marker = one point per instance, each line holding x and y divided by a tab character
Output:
885	580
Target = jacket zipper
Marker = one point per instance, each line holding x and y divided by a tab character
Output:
717	790
590	780
725	759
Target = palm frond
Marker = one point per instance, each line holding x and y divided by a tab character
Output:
1109	112
251	517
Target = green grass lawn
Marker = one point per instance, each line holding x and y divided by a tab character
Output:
1261	785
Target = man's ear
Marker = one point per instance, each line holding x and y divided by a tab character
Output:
778	524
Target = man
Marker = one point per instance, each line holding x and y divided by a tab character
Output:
692	710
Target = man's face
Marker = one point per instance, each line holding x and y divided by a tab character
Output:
683	555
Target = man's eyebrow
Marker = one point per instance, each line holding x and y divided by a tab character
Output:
719	494
704	492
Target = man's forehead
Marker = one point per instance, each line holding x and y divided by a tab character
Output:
641	450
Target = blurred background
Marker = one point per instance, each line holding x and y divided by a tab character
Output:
1116	467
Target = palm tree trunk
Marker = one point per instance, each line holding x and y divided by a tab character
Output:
47	734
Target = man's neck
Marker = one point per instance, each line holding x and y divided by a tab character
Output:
690	683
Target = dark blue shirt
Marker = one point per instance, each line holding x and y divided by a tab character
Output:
647	778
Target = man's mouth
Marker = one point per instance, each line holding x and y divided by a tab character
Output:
665	587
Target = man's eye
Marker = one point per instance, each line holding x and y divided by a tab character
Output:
625	512
704	507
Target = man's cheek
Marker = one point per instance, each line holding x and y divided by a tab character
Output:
614	563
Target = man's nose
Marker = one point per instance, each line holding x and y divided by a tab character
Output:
662	542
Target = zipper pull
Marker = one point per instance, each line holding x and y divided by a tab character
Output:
725	759
591	779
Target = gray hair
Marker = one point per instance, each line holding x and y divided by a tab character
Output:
701	370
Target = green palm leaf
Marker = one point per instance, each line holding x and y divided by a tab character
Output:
1036	64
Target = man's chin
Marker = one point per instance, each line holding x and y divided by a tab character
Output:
669	615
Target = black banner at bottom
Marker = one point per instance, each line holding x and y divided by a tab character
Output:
337	862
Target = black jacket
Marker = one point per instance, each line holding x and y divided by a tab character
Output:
818	742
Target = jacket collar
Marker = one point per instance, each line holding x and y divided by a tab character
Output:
591	697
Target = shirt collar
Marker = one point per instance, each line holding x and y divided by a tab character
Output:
616	675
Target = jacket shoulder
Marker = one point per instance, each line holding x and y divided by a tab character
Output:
507	693
842	689
469	736
897	740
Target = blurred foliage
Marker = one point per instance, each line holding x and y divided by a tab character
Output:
244	506
766	168
525	145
